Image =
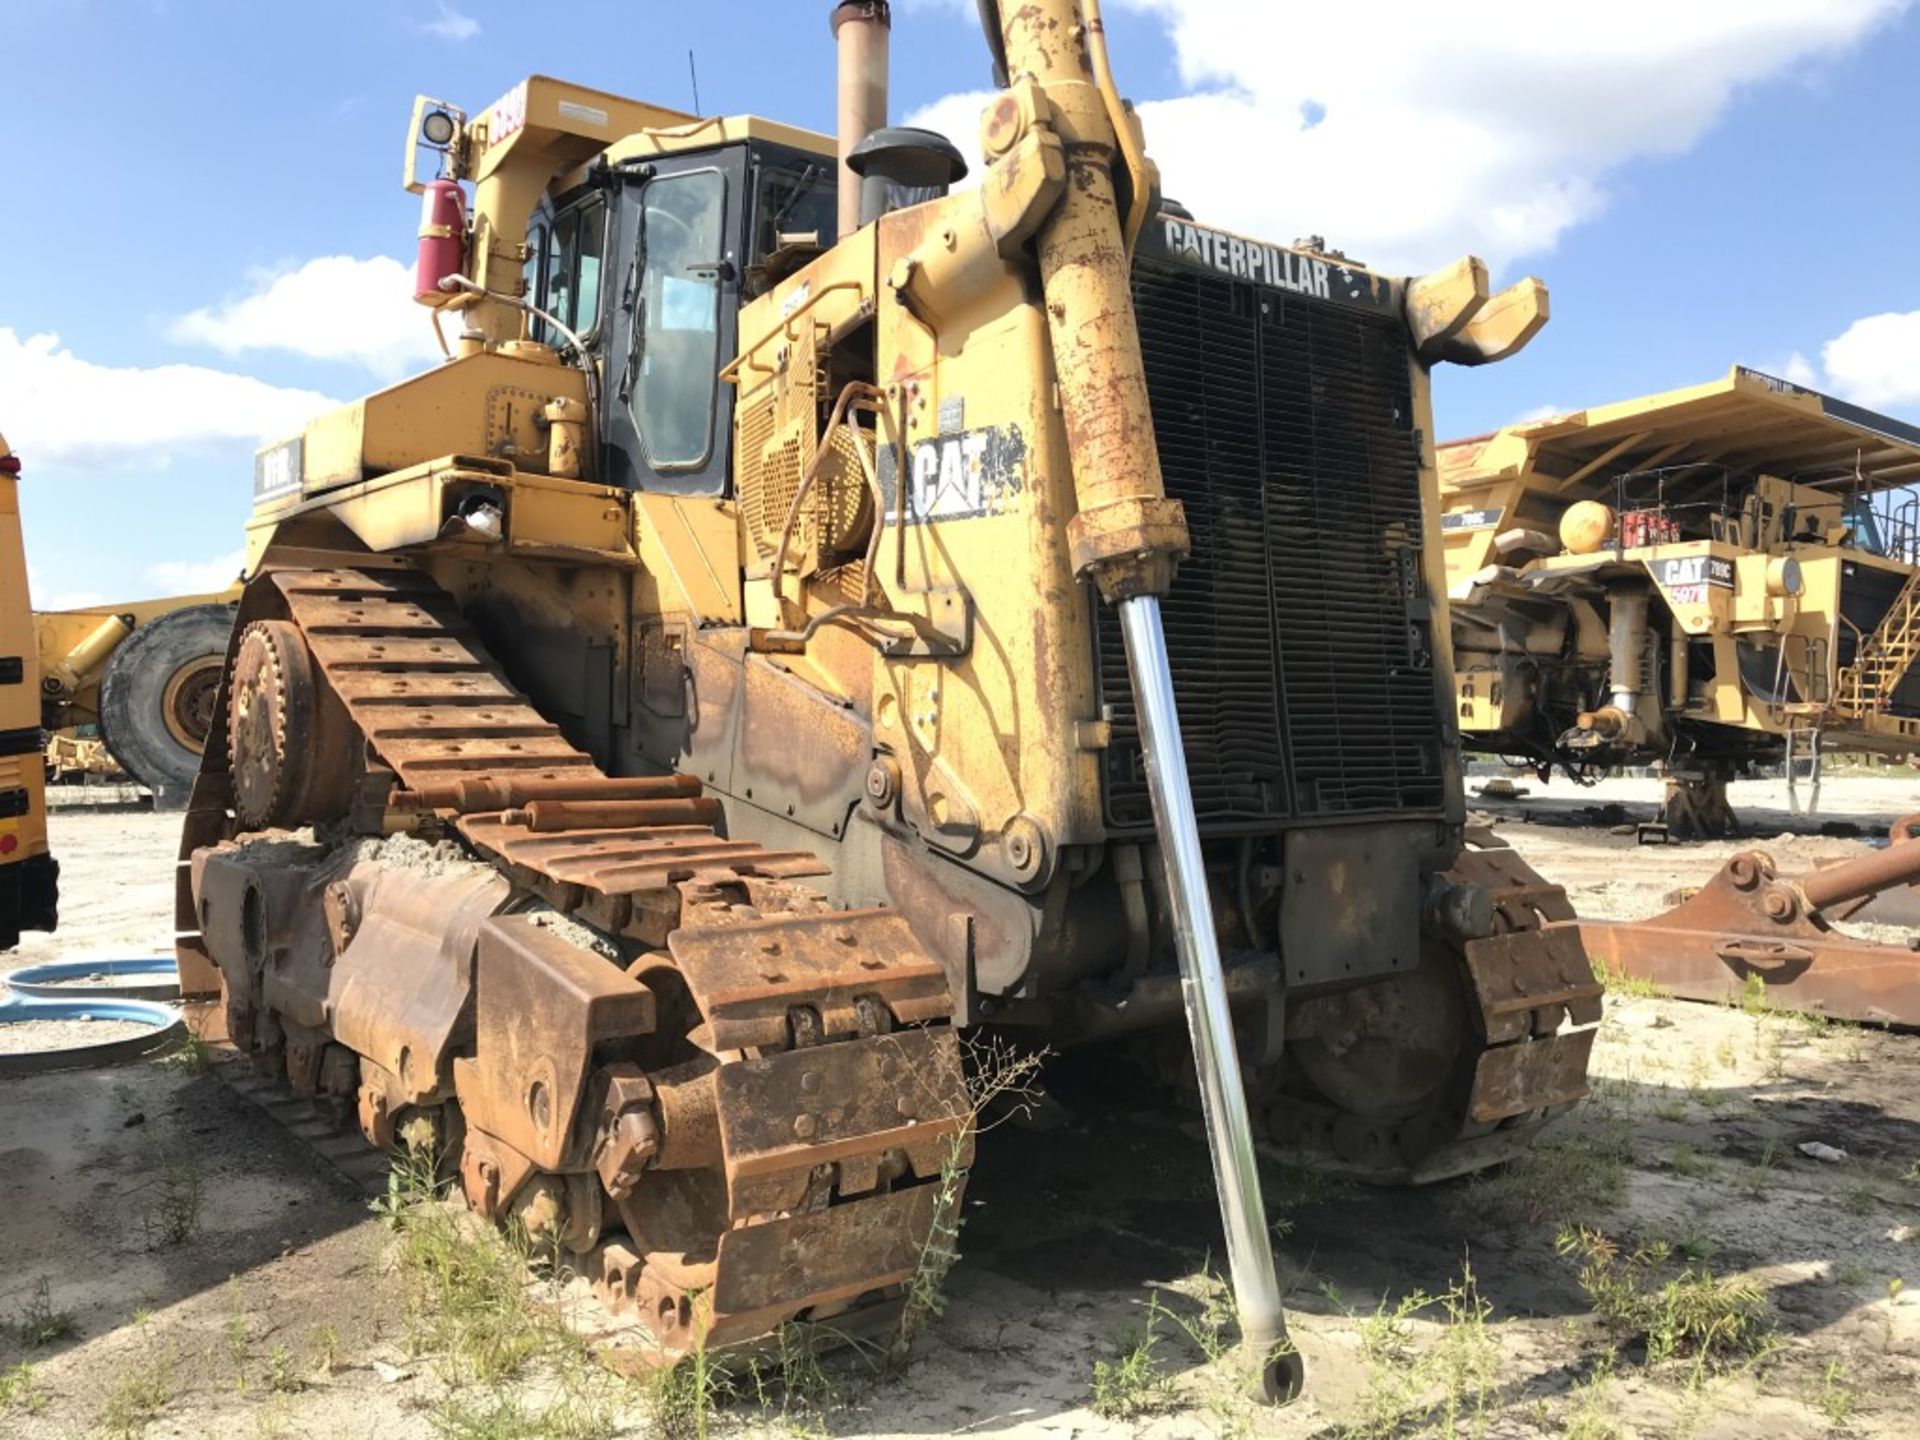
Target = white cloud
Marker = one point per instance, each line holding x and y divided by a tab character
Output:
448	24
1412	132
1538	412
1876	361
39	598
197	577
63	409
1797	369
332	308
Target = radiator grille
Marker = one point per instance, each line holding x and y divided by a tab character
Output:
1299	631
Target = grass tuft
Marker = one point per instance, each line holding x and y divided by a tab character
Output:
1618	982
995	1074
37	1324
19	1391
1131	1383
1674	1310
174	1215
1569	1177
192	1056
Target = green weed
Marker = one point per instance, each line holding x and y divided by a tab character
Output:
192	1056
1575	1176
994	1072
1690	1163
17	1389
37	1324
1618	982
1643	1297
1835	1397
1589	1414
1131	1383
174	1215
140	1393
1761	1175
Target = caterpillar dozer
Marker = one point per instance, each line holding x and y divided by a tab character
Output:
815	611
29	875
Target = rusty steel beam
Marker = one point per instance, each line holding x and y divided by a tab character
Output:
480	796
548	817
1748	921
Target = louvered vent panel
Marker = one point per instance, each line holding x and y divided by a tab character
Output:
1298	630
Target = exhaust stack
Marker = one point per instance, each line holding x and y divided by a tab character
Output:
860	29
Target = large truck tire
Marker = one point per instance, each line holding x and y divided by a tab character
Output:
157	698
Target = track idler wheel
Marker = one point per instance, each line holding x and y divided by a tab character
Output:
1451	1066
288	740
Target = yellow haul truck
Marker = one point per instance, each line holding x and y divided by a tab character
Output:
29	876
812	612
1709	579
138	678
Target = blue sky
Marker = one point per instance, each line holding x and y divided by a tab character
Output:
1698	185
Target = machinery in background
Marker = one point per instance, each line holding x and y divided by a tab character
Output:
29	875
812	612
137	681
1709	579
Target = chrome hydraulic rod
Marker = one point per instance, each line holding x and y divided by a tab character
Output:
1223	1099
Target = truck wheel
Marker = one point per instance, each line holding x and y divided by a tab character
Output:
157	698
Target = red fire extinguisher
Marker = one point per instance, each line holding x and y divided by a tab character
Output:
443	240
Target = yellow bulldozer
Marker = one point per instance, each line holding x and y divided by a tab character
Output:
29	875
1710	579
128	689
815	612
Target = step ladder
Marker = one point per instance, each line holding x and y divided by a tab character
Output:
1867	686
1805	754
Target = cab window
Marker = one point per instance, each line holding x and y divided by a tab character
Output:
563	269
676	356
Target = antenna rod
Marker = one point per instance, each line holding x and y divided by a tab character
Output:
694	75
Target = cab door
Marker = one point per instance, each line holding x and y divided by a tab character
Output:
674	267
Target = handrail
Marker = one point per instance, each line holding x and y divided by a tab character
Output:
730	372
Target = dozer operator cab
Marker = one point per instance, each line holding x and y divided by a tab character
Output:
646	266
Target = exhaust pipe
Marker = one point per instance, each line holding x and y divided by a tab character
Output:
860	31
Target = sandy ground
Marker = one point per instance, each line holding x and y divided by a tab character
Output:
218	1274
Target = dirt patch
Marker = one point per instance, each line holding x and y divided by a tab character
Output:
1090	1269
22	1037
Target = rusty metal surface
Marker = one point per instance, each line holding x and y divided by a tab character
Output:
1414	1090
832	1254
792	1162
475	794
1511	1080
401	983
1869	874
546	817
1748	923
1522	971
544	1003
748	976
782	1115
